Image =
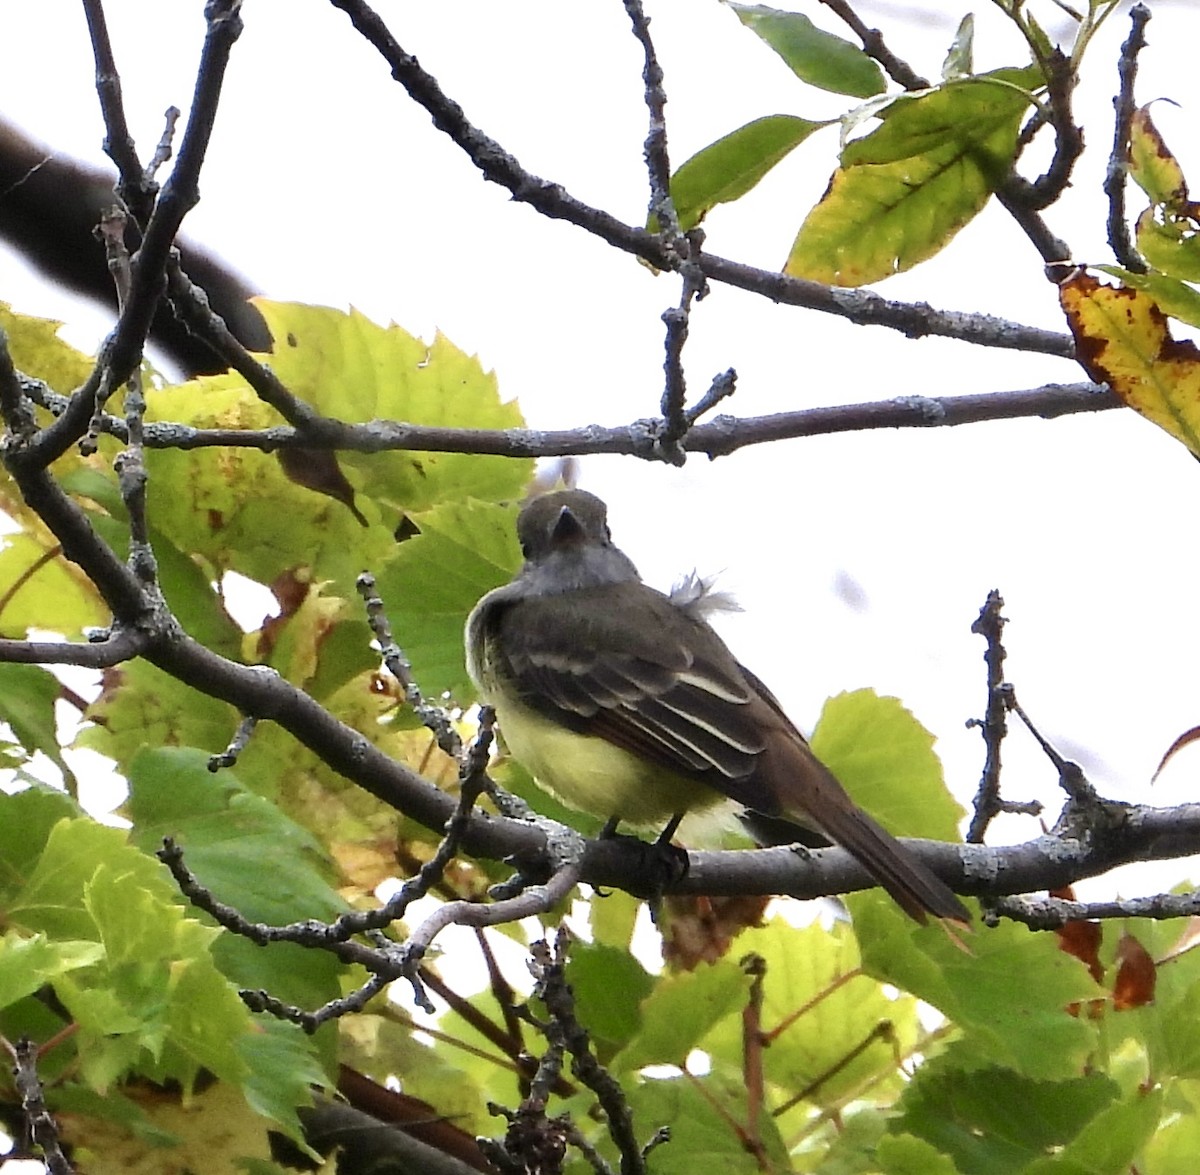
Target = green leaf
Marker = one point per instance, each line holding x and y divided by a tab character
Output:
237	843
1171	245
1111	1143
905	189
885	759
994	1121
609	986
142	706
26	821
27	697
52	900
152	1000
349	367
1165	1028
680	1011
813	55
251	856
731	166
1173	1148
612	918
903	1154
281	1073
1019	1024
464	549
37	350
960	56
701	1139
805	968
27	964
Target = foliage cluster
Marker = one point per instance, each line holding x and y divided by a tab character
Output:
870	1044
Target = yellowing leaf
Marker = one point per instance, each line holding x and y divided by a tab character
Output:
1151	165
1168	232
1171	245
1122	338
37	350
40	588
1175	298
237	509
350	367
904	190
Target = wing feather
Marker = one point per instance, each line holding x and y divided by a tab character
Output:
683	703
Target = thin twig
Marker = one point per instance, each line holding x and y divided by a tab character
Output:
1070	775
130	464
132	188
123	645
15	405
1047	913
1036	195
873	45
686	248
564	1031
994	725
162	151
658	165
434	718
674	397
754	1040
719	437
240	741
552	200
39	1123
722	387
122	349
1116	175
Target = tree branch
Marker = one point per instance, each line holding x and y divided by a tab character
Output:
716	438
122	350
1116	175
552	200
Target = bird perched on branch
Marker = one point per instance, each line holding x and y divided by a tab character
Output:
626	704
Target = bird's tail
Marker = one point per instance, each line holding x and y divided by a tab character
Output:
917	890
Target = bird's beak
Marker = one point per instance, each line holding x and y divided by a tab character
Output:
567	529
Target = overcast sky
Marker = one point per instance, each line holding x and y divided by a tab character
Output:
859	559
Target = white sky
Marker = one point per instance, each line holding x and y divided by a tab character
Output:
326	184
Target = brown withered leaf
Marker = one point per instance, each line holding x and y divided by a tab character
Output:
1081	937
1137	975
318	469
1185	739
697	929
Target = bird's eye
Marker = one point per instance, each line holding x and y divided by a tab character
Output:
525	550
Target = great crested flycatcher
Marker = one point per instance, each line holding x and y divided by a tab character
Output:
625	702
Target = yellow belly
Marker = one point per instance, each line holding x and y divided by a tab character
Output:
593	776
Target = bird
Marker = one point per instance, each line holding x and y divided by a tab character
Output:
625	703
